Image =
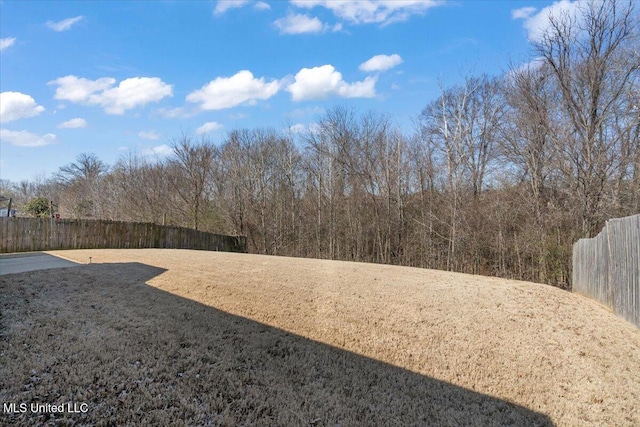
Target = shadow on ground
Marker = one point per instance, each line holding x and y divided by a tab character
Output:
29	261
135	355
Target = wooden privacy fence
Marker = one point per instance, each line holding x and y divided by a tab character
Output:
37	234
607	267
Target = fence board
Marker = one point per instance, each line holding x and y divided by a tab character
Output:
41	234
607	267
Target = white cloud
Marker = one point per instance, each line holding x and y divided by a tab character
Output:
6	42
298	128
224	5
149	135
299	24
78	89
537	24
324	81
26	139
130	93
159	151
522	13
65	24
16	105
208	127
228	92
372	11
73	124
381	63
261	6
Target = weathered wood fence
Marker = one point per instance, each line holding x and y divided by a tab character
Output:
607	267
38	234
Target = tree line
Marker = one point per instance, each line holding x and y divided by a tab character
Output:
500	176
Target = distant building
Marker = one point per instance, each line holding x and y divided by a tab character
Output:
4	212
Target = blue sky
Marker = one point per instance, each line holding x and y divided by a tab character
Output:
112	77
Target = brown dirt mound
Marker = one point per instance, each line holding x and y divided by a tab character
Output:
153	337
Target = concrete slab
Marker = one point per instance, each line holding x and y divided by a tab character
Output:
21	262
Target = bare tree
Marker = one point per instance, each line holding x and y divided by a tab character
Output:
189	173
593	59
526	144
140	190
87	167
80	182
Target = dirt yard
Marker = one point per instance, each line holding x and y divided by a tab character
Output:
176	337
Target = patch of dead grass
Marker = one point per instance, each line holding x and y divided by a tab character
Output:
158	337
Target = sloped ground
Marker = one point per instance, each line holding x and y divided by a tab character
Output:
154	337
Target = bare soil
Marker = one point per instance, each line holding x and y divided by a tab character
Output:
178	337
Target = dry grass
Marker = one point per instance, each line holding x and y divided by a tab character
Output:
159	337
